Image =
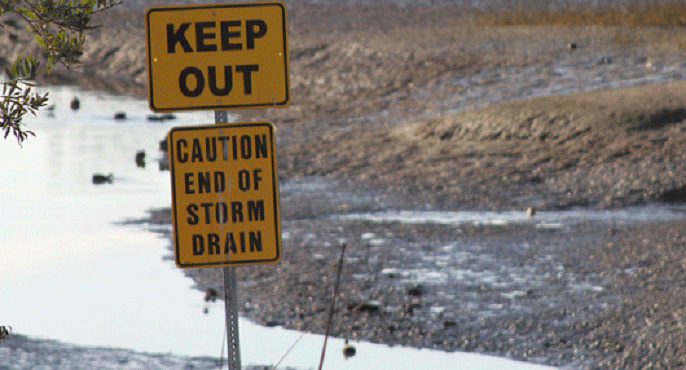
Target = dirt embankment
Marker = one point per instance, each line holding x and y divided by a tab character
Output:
601	149
375	90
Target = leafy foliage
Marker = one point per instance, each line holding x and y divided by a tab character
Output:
59	27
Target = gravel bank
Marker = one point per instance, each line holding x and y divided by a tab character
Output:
578	296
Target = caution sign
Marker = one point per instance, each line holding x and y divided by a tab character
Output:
220	56
225	201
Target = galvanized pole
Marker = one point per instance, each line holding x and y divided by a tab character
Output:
230	293
231	304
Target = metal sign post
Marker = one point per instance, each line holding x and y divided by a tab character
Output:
230	293
231	305
187	50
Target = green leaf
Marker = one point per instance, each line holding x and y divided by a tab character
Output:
12	72
48	67
27	13
58	27
39	41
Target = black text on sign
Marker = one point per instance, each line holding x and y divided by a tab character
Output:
224	56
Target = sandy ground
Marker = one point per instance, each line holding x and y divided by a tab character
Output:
426	111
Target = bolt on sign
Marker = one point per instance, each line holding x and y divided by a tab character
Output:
217	57
225	206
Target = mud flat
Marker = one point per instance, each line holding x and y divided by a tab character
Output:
400	109
578	293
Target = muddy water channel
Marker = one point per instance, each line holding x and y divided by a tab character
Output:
81	287
500	283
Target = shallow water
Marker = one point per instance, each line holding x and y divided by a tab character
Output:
542	219
70	273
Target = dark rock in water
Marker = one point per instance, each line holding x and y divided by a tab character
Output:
140	158
75	104
50	110
161	118
120	116
349	350
163	144
164	164
210	295
155	118
164	161
102	179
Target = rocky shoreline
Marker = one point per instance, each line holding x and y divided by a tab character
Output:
592	295
406	112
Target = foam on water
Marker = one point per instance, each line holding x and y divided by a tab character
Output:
542	219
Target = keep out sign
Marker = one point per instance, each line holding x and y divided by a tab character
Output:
221	56
225	205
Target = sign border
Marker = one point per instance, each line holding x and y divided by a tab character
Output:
164	8
275	178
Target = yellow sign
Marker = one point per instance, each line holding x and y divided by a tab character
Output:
225	196
220	56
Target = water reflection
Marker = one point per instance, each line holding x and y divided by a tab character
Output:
69	273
